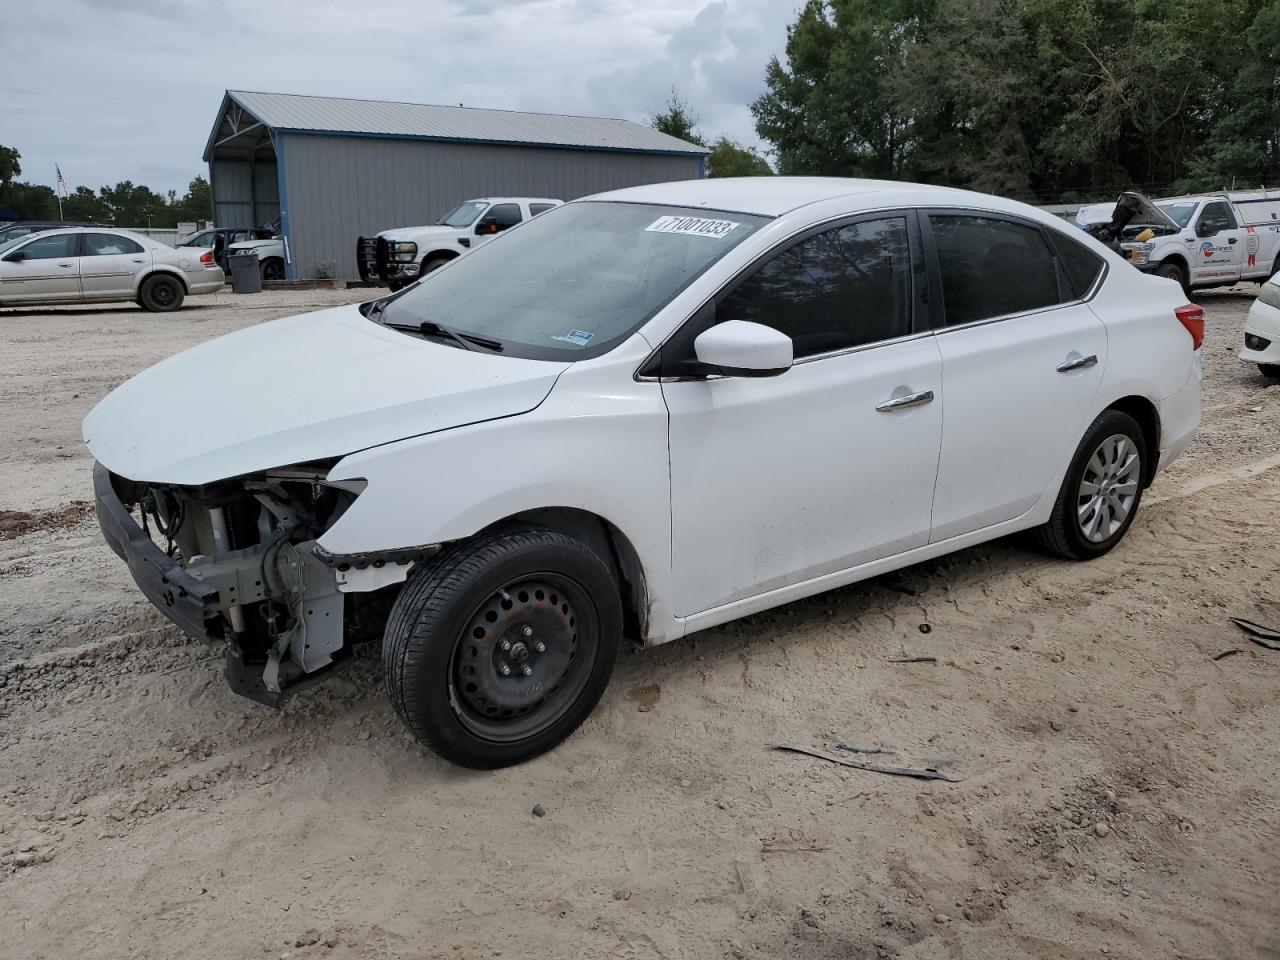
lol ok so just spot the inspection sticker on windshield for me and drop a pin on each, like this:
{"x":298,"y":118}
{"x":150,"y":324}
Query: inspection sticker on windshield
{"x":579,"y":338}
{"x":698,"y":226}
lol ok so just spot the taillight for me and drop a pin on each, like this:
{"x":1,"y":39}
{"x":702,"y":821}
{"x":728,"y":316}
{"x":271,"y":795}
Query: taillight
{"x":207,"y":258}
{"x":1192,"y":317}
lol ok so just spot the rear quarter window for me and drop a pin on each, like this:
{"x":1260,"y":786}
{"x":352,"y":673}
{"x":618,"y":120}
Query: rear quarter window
{"x":1081,"y":265}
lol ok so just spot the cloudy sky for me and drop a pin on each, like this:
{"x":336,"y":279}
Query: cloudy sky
{"x":128,"y":89}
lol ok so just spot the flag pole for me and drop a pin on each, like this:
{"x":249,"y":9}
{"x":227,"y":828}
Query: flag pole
{"x":57,"y":190}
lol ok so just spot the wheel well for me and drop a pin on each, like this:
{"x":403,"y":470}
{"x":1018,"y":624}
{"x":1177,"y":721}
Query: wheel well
{"x":1144,"y":411}
{"x":1178,"y":261}
{"x":611,"y":545}
{"x":167,"y":273}
{"x":440,"y":255}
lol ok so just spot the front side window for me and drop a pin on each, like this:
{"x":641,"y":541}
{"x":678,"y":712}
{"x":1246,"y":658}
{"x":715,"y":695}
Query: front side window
{"x":51,"y":247}
{"x":1216,"y":217}
{"x":838,"y":289}
{"x":992,"y":267}
{"x":107,"y":245}
{"x":462,"y":215}
{"x":504,"y":215}
{"x":575,"y":281}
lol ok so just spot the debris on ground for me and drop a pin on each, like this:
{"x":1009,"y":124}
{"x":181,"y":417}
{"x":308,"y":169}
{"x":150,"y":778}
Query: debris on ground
{"x":1262,"y":636}
{"x":913,"y":660}
{"x":926,"y":773}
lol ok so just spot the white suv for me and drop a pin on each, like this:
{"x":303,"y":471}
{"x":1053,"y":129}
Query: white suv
{"x":642,"y":414}
{"x":400,"y":256}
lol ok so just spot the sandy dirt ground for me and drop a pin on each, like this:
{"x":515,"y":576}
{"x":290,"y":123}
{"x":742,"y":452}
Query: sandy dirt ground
{"x":1117,"y":794}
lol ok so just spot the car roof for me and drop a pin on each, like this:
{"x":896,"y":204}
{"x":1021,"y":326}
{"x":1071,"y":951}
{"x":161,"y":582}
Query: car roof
{"x":515,"y":200}
{"x":92,"y":228}
{"x":775,"y":196}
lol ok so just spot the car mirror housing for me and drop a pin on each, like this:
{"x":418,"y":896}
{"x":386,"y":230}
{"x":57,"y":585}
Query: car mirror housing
{"x":487,"y":226}
{"x":739,"y":348}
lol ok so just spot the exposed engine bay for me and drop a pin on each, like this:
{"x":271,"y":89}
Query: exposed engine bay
{"x":238,"y":561}
{"x":1134,"y":218}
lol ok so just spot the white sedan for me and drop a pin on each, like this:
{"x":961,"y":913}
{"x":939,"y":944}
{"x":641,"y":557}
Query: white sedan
{"x":640,"y":415}
{"x":1262,"y":330}
{"x":101,"y":265}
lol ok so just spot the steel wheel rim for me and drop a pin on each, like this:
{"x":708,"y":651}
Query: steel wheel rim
{"x":538,"y":610}
{"x":163,"y":293}
{"x":1108,"y":488}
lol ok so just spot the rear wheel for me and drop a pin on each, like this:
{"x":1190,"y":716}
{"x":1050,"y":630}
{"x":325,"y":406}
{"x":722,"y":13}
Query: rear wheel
{"x":1271,"y":370}
{"x":1173,"y":271}
{"x":499,"y":649}
{"x":1101,"y":491}
{"x":161,"y":293}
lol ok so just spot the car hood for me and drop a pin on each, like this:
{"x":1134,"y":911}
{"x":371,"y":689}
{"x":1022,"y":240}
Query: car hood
{"x":418,"y":234}
{"x":1136,"y":209}
{"x":309,"y":387}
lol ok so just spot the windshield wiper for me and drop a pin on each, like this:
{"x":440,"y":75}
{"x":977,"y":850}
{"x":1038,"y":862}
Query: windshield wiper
{"x":429,"y":328}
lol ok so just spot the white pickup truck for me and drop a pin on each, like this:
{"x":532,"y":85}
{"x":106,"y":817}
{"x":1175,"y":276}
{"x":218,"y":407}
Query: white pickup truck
{"x":1214,"y":240}
{"x":399,"y":256}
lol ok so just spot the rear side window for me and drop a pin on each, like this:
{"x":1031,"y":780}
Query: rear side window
{"x":838,"y":289}
{"x":106,"y":245}
{"x":992,"y":267}
{"x":1081,"y":265}
{"x":537,"y":208}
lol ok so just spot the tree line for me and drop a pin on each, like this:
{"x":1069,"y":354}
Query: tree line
{"x":125,"y":205}
{"x":1044,"y":100}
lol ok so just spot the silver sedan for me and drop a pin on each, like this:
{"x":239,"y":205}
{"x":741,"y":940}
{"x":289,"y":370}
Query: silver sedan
{"x":101,"y":265}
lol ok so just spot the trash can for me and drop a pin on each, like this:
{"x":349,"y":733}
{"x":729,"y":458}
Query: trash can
{"x":246,"y":277}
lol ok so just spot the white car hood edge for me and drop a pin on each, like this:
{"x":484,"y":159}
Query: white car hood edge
{"x":303,"y":388}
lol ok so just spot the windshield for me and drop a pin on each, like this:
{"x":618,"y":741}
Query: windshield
{"x":464,"y":214}
{"x":197,"y":240}
{"x":576,"y":280}
{"x":1179,"y":213}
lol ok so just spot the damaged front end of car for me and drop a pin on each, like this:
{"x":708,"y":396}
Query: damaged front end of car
{"x":237,"y":561}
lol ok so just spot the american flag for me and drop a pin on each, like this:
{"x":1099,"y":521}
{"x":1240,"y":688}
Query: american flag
{"x":62,"y":184}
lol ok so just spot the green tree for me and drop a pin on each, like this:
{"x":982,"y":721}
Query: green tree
{"x":677,"y":120}
{"x":197,"y":204}
{"x":731,"y":159}
{"x":83,"y":204}
{"x":9,"y":165}
{"x":131,"y":205}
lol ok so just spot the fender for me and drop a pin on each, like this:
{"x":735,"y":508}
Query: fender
{"x":161,"y":268}
{"x":449,"y":485}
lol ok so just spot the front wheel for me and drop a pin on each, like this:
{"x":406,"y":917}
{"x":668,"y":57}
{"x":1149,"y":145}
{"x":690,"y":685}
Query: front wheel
{"x":1271,"y":370}
{"x":502,"y":646}
{"x":272,"y":269}
{"x":1101,"y":491}
{"x":1172,"y":271}
{"x":161,"y":293}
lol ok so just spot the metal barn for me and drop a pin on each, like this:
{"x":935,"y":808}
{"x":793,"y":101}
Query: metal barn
{"x":331,"y":170}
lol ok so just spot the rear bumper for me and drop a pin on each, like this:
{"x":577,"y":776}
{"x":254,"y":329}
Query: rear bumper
{"x":1179,"y":419}
{"x":186,"y":601}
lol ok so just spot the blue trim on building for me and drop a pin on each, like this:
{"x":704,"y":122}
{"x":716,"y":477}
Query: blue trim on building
{"x":278,"y":143}
{"x":493,"y":143}
{"x":702,"y":168}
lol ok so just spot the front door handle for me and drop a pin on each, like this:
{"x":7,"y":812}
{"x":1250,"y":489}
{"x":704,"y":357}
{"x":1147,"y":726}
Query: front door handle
{"x":1079,"y":363}
{"x":66,"y":264}
{"x":910,"y":400}
{"x":1232,"y":239}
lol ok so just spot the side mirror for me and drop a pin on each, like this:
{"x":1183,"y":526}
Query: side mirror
{"x":486,"y":226}
{"x":1205,"y":230}
{"x":743,"y":349}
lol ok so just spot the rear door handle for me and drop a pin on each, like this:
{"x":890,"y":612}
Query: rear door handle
{"x":1232,"y":239}
{"x":910,"y":400}
{"x":1079,"y":363}
{"x":66,"y":264}
{"x":139,"y":259}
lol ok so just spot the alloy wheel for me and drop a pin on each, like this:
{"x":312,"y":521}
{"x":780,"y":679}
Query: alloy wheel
{"x":1109,"y":488}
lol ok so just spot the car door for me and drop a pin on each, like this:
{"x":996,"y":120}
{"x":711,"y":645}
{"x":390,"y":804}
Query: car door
{"x":1220,"y":250}
{"x":1022,"y":360}
{"x":109,"y":262}
{"x":775,"y":481}
{"x":45,"y":268}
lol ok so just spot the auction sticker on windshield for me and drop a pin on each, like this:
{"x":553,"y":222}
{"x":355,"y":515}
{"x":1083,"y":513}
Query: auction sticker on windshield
{"x":698,"y":226}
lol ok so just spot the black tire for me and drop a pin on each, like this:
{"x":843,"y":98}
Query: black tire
{"x":272,"y":269}
{"x":431,"y":264}
{"x":161,"y":293}
{"x":1271,"y":370}
{"x":1172,"y":271}
{"x":1065,"y":533}
{"x":444,"y":645}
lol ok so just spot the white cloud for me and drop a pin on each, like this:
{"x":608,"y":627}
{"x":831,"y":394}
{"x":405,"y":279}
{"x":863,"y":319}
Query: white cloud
{"x":128,"y":89}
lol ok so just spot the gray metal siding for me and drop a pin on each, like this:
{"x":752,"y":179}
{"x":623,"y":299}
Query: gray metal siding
{"x":244,"y":193}
{"x":340,"y":188}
